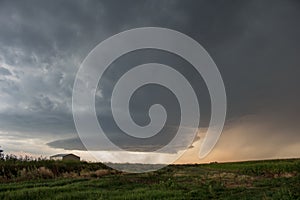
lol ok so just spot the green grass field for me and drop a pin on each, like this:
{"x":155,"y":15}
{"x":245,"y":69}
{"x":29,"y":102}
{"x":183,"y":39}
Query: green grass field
{"x":274,"y":179}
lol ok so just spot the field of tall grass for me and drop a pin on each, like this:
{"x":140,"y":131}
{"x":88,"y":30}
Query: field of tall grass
{"x":47,"y":179}
{"x":14,"y":168}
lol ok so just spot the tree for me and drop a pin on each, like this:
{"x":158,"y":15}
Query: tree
{"x":1,"y":154}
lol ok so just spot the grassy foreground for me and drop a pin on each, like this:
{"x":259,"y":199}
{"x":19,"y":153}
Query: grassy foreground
{"x":274,"y":179}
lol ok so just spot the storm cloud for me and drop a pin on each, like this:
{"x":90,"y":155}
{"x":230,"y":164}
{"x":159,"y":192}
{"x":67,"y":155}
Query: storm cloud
{"x":255,"y":45}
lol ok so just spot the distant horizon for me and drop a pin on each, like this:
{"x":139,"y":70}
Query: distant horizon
{"x":176,"y":163}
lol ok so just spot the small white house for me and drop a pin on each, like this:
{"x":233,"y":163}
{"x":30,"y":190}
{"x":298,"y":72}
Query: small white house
{"x":69,"y":156}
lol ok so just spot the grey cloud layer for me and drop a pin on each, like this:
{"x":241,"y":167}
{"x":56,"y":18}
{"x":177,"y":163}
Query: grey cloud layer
{"x":42,"y":43}
{"x":4,"y":72}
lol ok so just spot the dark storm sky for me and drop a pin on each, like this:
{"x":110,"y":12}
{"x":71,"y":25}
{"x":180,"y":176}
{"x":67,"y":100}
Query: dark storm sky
{"x":255,"y":45}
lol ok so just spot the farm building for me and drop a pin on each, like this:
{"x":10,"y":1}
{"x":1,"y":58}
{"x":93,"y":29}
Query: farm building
{"x":69,"y":156}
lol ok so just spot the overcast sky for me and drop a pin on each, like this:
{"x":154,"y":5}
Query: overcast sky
{"x":255,"y":45}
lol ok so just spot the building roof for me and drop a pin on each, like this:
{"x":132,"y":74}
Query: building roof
{"x":63,"y":155}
